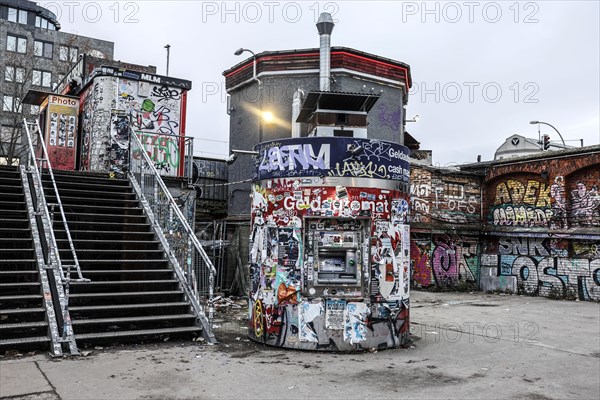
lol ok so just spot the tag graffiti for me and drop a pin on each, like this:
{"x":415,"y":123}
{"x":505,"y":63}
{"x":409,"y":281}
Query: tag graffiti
{"x":295,"y":157}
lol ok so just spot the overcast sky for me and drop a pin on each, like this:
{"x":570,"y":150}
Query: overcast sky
{"x":481,"y":70}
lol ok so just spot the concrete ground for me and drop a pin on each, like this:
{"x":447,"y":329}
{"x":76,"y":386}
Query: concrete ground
{"x":466,"y":346}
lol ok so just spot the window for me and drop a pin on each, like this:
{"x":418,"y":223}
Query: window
{"x":7,"y":103}
{"x":14,"y":74}
{"x":17,"y":44}
{"x":19,"y":16}
{"x":42,"y":49}
{"x":12,"y":14}
{"x":9,"y":73}
{"x":41,"y":78}
{"x":20,"y":75}
{"x":67,"y":53}
{"x":9,"y":134}
{"x":11,"y":104}
{"x":23,"y":17}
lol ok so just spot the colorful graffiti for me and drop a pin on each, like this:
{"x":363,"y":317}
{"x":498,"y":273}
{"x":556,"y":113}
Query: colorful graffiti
{"x":311,"y":264}
{"x":332,"y":156}
{"x":522,"y":204}
{"x":114,"y":106}
{"x":572,"y":201}
{"x":585,"y":205}
{"x":450,"y":260}
{"x":552,"y":267}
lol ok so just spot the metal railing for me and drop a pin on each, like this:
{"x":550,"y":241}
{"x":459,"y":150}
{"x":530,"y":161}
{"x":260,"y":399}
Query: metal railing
{"x":48,"y":209}
{"x":171,"y":155}
{"x":192,"y":265}
{"x":45,"y":214}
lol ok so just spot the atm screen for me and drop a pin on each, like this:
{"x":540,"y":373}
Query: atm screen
{"x":333,"y":264}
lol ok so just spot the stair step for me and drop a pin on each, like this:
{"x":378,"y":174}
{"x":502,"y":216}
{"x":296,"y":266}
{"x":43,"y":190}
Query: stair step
{"x":94,"y":216}
{"x":21,"y":297}
{"x":124,"y":294}
{"x":18,"y":285}
{"x":81,"y":253}
{"x":104,"y":195}
{"x":67,"y":200}
{"x":125,"y":271}
{"x":22,"y":341}
{"x":118,"y":210}
{"x":98,"y":321}
{"x":11,"y":205}
{"x":28,"y":272}
{"x":113,"y":262}
{"x":15,"y":232}
{"x":89,"y":186}
{"x":35,"y":324}
{"x":95,"y":223}
{"x":141,"y":332}
{"x":128,"y":306}
{"x":138,"y":282}
{"x":66,"y":176}
{"x":13,"y":311}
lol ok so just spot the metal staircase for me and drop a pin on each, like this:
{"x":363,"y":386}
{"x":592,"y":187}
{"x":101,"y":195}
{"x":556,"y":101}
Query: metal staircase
{"x":132,"y":292}
{"x":87,"y":258}
{"x":23,"y":322}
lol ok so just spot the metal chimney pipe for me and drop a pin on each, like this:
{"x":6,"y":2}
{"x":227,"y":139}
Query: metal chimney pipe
{"x":325,"y":27}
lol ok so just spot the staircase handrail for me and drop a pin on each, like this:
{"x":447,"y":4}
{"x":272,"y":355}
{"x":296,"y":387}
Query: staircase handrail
{"x":44,"y":204}
{"x":182,"y":220}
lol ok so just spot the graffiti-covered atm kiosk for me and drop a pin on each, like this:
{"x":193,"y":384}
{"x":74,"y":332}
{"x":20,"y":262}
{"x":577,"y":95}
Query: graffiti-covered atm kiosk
{"x":329,"y":257}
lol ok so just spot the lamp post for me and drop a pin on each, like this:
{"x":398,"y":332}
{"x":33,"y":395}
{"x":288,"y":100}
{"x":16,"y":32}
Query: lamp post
{"x":168,"y":47}
{"x":239,"y":52}
{"x":545,"y":123}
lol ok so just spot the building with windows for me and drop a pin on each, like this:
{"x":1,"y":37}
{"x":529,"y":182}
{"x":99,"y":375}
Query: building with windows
{"x":34,"y":54}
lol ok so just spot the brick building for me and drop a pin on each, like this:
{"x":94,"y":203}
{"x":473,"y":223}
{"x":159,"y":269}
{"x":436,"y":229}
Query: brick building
{"x":527,"y":224}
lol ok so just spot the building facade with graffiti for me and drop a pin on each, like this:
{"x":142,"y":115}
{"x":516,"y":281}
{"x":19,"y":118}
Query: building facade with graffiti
{"x":528,"y":225}
{"x":116,"y":102}
{"x":329,"y":251}
{"x":289,"y":75}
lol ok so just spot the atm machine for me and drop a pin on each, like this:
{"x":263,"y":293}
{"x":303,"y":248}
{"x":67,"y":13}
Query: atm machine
{"x":335,"y":257}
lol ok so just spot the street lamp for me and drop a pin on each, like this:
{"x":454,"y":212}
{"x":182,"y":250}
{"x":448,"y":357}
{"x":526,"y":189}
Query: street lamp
{"x":239,"y":52}
{"x":545,"y":123}
{"x":168,"y":47}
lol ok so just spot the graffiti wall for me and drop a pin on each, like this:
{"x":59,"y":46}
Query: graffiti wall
{"x":560,"y":203}
{"x":559,"y":268}
{"x":440,"y":196}
{"x":98,"y":100}
{"x":306,"y":293}
{"x":115,"y":106}
{"x":444,"y":260}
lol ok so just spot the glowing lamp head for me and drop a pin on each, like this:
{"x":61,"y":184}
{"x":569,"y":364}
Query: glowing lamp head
{"x":267,"y":116}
